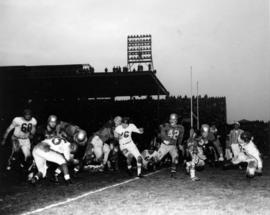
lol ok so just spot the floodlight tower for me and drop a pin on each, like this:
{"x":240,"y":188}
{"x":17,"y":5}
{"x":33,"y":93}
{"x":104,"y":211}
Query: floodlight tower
{"x":139,"y":53}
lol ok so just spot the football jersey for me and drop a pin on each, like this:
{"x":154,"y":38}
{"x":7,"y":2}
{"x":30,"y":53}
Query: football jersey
{"x":234,"y":135}
{"x":251,"y":149}
{"x":171,"y":135}
{"x":125,"y":133}
{"x":22,"y":127}
{"x":59,"y":145}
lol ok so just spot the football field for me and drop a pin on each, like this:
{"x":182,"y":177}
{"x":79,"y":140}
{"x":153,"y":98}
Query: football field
{"x":218,"y":192}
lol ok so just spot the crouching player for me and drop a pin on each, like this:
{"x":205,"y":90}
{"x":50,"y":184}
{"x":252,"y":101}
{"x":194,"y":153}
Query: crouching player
{"x":250,"y":154}
{"x":150,"y":159}
{"x":195,"y":153}
{"x":99,"y":149}
{"x":127,"y":146}
{"x":56,"y":150}
{"x":76,"y":136}
{"x":171,"y":134}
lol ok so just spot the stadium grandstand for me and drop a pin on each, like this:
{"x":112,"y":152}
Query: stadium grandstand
{"x":78,"y":94}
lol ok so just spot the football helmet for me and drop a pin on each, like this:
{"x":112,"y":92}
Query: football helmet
{"x":205,"y":130}
{"x":126,"y":120}
{"x":173,"y":119}
{"x":52,"y":121}
{"x":117,"y":120}
{"x":27,"y":114}
{"x":246,"y":136}
{"x":236,"y":125}
{"x":81,"y":137}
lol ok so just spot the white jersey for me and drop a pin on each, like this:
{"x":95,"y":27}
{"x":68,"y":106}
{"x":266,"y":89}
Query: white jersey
{"x":125,"y":133}
{"x":251,"y":150}
{"x":59,"y":145}
{"x":22,"y":127}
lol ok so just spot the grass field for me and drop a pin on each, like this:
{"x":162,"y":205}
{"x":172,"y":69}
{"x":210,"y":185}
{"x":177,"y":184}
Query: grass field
{"x":218,"y":192}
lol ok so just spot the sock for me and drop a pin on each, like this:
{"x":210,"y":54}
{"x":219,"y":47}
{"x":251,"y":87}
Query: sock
{"x":139,"y":168}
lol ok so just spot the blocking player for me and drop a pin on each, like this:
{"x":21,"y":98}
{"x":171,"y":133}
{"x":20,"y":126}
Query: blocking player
{"x":47,"y":131}
{"x":72,"y":133}
{"x":195,"y":152}
{"x":98,"y":146}
{"x":24,"y":130}
{"x":206,"y":141}
{"x":150,"y":159}
{"x":56,"y":150}
{"x":172,"y":135}
{"x":234,"y":139}
{"x":76,"y":136}
{"x":250,"y":154}
{"x":123,"y":132}
{"x":214,"y":137}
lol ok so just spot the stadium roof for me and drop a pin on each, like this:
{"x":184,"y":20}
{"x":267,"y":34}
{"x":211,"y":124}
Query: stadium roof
{"x":69,"y":81}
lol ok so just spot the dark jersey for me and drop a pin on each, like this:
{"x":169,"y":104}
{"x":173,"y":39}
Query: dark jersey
{"x":45,"y":132}
{"x":67,"y":130}
{"x":171,"y":135}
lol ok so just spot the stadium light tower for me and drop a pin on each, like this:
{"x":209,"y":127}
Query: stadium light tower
{"x":139,"y":53}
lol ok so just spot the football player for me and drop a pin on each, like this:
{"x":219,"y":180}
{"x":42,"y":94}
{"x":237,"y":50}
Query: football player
{"x":214,"y":137}
{"x":171,"y":135}
{"x":47,"y":131}
{"x":250,"y":154}
{"x":78,"y":137}
{"x":56,"y":150}
{"x":72,"y":133}
{"x":150,"y":159}
{"x":234,"y":139}
{"x":195,"y":152}
{"x":206,"y":142}
{"x":123,"y":132}
{"x":99,"y":149}
{"x":24,"y":130}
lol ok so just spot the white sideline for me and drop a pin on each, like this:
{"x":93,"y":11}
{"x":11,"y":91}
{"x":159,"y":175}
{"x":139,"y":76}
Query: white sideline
{"x":86,"y":194}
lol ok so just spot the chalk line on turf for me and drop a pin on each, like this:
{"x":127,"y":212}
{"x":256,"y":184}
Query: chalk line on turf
{"x":87,"y":194}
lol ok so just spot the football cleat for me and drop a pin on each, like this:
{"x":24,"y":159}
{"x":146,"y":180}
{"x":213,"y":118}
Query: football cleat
{"x":55,"y":179}
{"x":34,"y":181}
{"x":140,"y":176}
{"x":68,"y":182}
{"x":173,"y":174}
{"x":195,"y":178}
{"x":221,"y":158}
{"x":8,"y":168}
{"x":259,"y":173}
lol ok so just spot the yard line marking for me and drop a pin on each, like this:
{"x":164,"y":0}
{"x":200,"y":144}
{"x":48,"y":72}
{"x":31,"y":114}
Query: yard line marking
{"x":87,"y":194}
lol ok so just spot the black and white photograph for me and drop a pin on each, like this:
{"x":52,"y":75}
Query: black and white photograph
{"x":134,"y":107}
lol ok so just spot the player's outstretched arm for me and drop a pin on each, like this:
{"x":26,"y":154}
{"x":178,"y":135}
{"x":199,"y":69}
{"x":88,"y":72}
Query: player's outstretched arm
{"x":141,"y":130}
